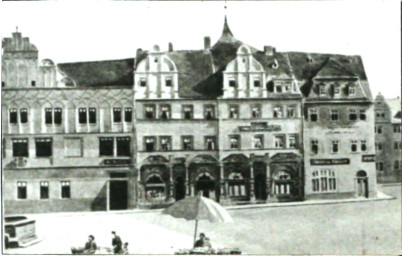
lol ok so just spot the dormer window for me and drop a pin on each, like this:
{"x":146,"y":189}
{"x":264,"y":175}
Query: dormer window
{"x":336,"y":90}
{"x":143,"y":82}
{"x":256,"y":82}
{"x":287,"y":88}
{"x":232,"y":82}
{"x":156,"y":60}
{"x":322,"y":90}
{"x":278,"y":88}
{"x":352,"y":90}
{"x":168,"y":82}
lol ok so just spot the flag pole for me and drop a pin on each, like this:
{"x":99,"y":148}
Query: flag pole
{"x":195,"y":232}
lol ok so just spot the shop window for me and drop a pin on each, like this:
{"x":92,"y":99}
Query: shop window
{"x":282,"y":183}
{"x":24,"y":115}
{"x":155,"y":188}
{"x":237,"y":185}
{"x":256,"y":112}
{"x":292,"y":141}
{"x":92,"y":115}
{"x":150,"y":144}
{"x":353,"y":146}
{"x":234,"y":112}
{"x":234,"y":141}
{"x":379,"y":166}
{"x":335,"y":146}
{"x":187,"y":112}
{"x":20,"y":147}
{"x":128,"y":116}
{"x":209,"y":112}
{"x":165,"y":112}
{"x":82,"y":115}
{"x":313,"y":113}
{"x":168,"y":82}
{"x":44,"y":190}
{"x":123,"y":146}
{"x":117,"y":115}
{"x":143,"y":82}
{"x":187,"y":142}
{"x":323,"y":181}
{"x":210,"y":143}
{"x":363,"y":114}
{"x":258,"y":141}
{"x":279,"y":141}
{"x":43,"y":147}
{"x":65,"y":189}
{"x":363,"y":145}
{"x":352,"y":115}
{"x":73,"y":147}
{"x":278,"y":112}
{"x":150,"y":112}
{"x":165,"y":143}
{"x":22,"y":190}
{"x":57,"y":116}
{"x":13,"y":116}
{"x":314,"y":146}
{"x":48,"y":116}
{"x":291,"y":112}
{"x":106,"y":145}
{"x":232,"y":82}
{"x":334,"y":115}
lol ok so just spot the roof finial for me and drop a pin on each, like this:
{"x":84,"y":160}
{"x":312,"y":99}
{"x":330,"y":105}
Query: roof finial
{"x":226,"y":29}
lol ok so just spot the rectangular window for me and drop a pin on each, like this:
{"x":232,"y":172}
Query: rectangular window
{"x":82,"y":115}
{"x":13,"y":116}
{"x":396,"y":165}
{"x":210,"y":143}
{"x":65,"y":189}
{"x":336,"y":90}
{"x":165,"y":112}
{"x":397,"y":145}
{"x":334,"y":115}
{"x":232,"y":82}
{"x":187,"y":142}
{"x":234,"y":112}
{"x":278,"y":88}
{"x":123,"y":146}
{"x":128,"y":116}
{"x":106,"y":145}
{"x":313,"y":113}
{"x":24,"y":115}
{"x":234,"y":141}
{"x":43,"y":147}
{"x":278,"y":112}
{"x":57,"y":116}
{"x":352,"y":90}
{"x":291,"y":112}
{"x":335,"y":146}
{"x":149,"y":144}
{"x":165,"y":143}
{"x":48,"y":116}
{"x":323,"y":90}
{"x":73,"y":147}
{"x":258,"y":141}
{"x":256,"y":111}
{"x":20,"y":147}
{"x":378,"y":129}
{"x":168,"y":82}
{"x":397,"y":128}
{"x":279,"y":141}
{"x":292,"y":141}
{"x":352,"y":115}
{"x":92,"y":115}
{"x":379,"y":166}
{"x":187,"y":111}
{"x":363,"y":114}
{"x":150,"y":111}
{"x":22,"y":190}
{"x":143,"y":82}
{"x":353,"y":146}
{"x":324,"y":180}
{"x":117,"y":115}
{"x":209,"y":112}
{"x":257,"y":82}
{"x":378,"y":146}
{"x":44,"y":190}
{"x":363,"y":145}
{"x":314,"y":146}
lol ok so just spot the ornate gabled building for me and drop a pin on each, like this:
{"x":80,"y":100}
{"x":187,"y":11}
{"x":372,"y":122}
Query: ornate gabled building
{"x":232,"y":122}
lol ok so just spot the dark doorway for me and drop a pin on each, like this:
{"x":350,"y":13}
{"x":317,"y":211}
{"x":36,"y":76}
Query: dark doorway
{"x":260,"y":187}
{"x":207,"y":186}
{"x":180,"y":189}
{"x":118,"y":194}
{"x":362,"y":184}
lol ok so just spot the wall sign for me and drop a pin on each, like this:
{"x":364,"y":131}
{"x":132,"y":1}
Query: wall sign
{"x":116,"y":161}
{"x":330,"y":161}
{"x":368,"y":158}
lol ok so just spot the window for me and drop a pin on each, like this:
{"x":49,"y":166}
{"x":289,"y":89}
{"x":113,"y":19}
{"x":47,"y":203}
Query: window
{"x":117,"y":115}
{"x":149,"y":144}
{"x":323,"y":181}
{"x":187,"y":111}
{"x":314,"y":146}
{"x":106,"y":145}
{"x":292,"y":141}
{"x":13,"y":116}
{"x":24,"y":115}
{"x":232,"y":82}
{"x":209,"y":112}
{"x":33,"y":83}
{"x":257,"y":82}
{"x":378,"y":129}
{"x":352,"y":90}
{"x":48,"y":116}
{"x":165,"y":112}
{"x":336,"y":90}
{"x":379,"y":166}
{"x":168,"y":82}
{"x":73,"y":147}
{"x":335,"y":146}
{"x":3,"y":84}
{"x":150,"y":112}
{"x":352,"y":115}
{"x":363,"y":114}
{"x":44,"y":190}
{"x":210,"y":143}
{"x":363,"y":145}
{"x":277,"y":112}
{"x":123,"y":146}
{"x":165,"y":143}
{"x":43,"y":147}
{"x":279,"y":141}
{"x":187,"y":142}
{"x":396,"y":165}
{"x":143,"y":82}
{"x":353,"y":146}
{"x":397,"y":145}
{"x":313,"y":113}
{"x":256,"y":111}
{"x":128,"y":117}
{"x":82,"y":115}
{"x":57,"y":116}
{"x":236,"y":185}
{"x":22,"y":190}
{"x":291,"y":112}
{"x":378,"y":146}
{"x":234,"y":112}
{"x":278,"y":88}
{"x":258,"y":141}
{"x":334,"y":115}
{"x":397,"y":128}
{"x":234,"y":141}
{"x":287,"y":88}
{"x":65,"y":189}
{"x":323,"y":90}
{"x":92,"y":115}
{"x":20,"y":147}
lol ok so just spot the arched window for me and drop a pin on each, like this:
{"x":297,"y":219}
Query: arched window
{"x":282,"y":183}
{"x":237,"y":185}
{"x":155,"y":187}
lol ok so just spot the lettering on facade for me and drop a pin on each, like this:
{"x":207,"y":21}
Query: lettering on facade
{"x":259,"y":126}
{"x":329,"y":161}
{"x":368,"y":158}
{"x":116,"y":161}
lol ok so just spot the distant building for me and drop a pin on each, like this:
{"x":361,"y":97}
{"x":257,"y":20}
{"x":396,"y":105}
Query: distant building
{"x":229,"y":121}
{"x":388,"y":139}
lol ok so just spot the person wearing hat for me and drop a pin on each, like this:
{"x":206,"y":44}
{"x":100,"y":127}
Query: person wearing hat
{"x":200,"y":242}
{"x":116,"y":243}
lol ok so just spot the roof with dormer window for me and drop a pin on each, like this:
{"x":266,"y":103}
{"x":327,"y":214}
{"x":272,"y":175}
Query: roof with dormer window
{"x":334,"y":69}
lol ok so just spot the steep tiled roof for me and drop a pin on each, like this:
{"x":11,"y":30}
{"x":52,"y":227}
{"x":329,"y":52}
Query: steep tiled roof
{"x":269,"y":62}
{"x":100,"y":73}
{"x":333,"y":69}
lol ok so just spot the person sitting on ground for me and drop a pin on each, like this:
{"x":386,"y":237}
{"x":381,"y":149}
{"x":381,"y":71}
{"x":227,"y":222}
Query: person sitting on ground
{"x":200,"y":242}
{"x":125,"y":249}
{"x":90,"y":247}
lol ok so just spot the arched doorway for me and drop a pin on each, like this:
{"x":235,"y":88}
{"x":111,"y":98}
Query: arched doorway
{"x":362,"y":184}
{"x":155,"y":188}
{"x":179,"y":188}
{"x":283,"y":185}
{"x":237,"y":186}
{"x":260,"y":187}
{"x":206,"y":185}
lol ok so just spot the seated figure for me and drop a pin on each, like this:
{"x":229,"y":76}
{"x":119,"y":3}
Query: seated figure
{"x":90,"y":247}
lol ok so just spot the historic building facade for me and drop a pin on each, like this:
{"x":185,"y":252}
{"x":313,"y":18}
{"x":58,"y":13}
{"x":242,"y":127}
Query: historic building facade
{"x":388,"y":139}
{"x":229,"y":121}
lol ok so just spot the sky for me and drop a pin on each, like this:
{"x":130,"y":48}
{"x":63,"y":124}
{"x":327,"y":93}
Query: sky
{"x":73,"y":31}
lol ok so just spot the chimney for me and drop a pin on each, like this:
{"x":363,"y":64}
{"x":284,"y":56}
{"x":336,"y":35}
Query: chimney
{"x":139,"y":51}
{"x":269,"y":50}
{"x":207,"y":43}
{"x":170,"y":47}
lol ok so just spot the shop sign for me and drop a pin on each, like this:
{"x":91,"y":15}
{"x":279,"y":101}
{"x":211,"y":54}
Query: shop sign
{"x":329,"y":161}
{"x":368,"y":158}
